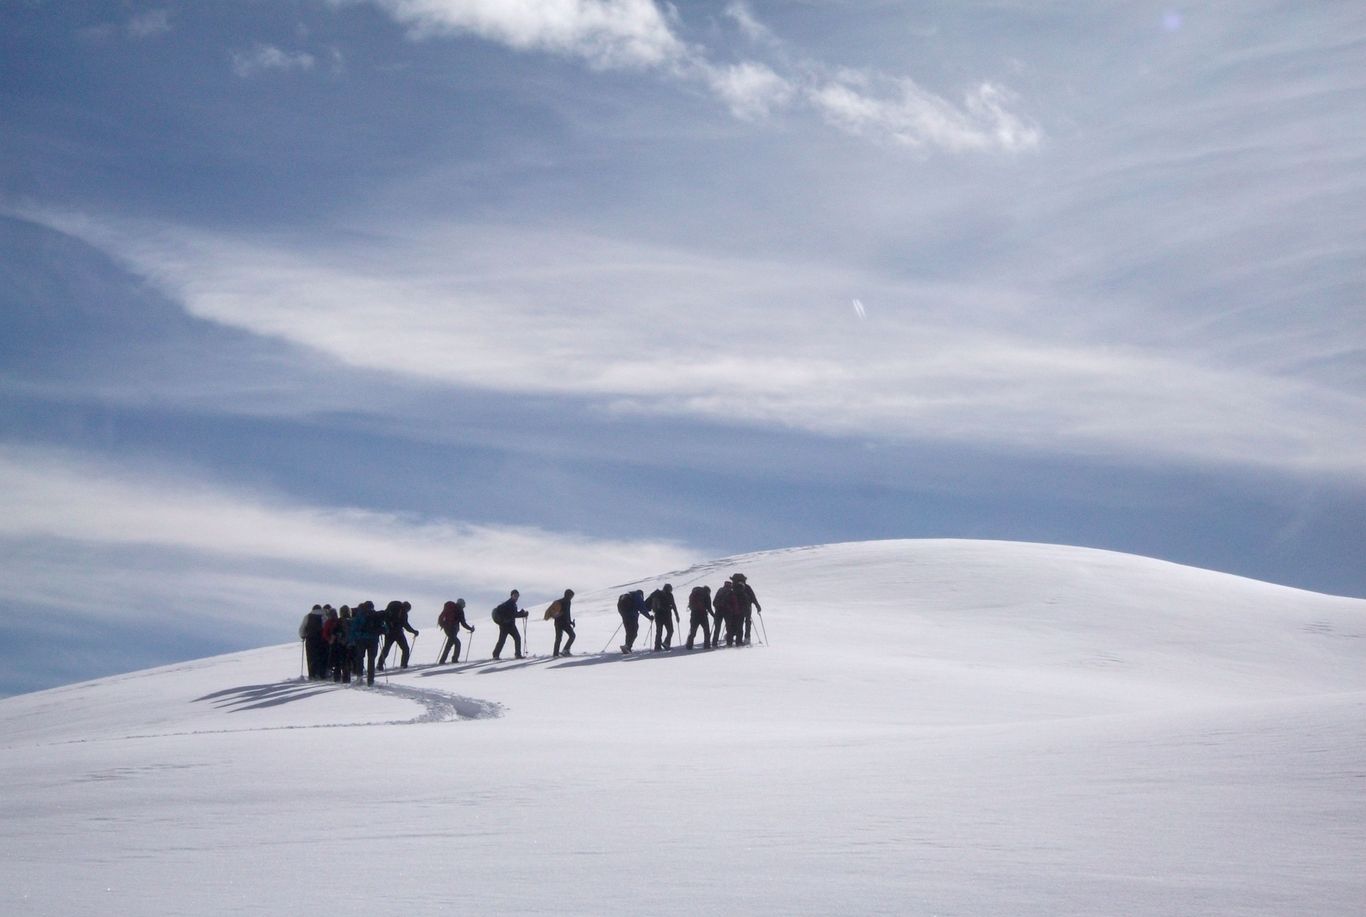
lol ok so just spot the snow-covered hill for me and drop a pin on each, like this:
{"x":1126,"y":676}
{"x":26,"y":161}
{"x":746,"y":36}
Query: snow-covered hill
{"x":936,"y":727}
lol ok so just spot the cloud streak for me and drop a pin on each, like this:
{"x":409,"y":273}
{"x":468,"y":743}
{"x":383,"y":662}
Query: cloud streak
{"x":766,"y":343}
{"x":86,"y":536}
{"x":638,"y":34}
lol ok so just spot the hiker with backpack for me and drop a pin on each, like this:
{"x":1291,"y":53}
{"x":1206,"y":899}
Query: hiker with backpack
{"x":505,"y":616}
{"x":699,"y":611}
{"x":726,"y":612}
{"x":396,"y":622}
{"x":450,"y":621}
{"x":315,"y":649}
{"x":631,"y":605}
{"x":564,"y":623}
{"x":746,"y":603}
{"x":367,"y":626}
{"x":665,"y":610}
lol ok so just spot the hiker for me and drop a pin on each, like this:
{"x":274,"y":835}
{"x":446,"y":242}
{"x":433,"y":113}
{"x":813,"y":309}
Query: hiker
{"x":726,"y":612}
{"x":343,"y":650}
{"x":666,"y":612}
{"x":699,"y":611}
{"x":505,"y":616}
{"x":315,"y":650}
{"x":564,"y":623}
{"x":631,"y":605}
{"x":452,"y":618}
{"x":745,"y":603}
{"x":395,"y":623}
{"x":367,"y":625}
{"x":330,"y":624}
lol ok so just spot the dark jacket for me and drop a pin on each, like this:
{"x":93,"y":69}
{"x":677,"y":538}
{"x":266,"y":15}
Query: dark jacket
{"x":631,"y":604}
{"x":507,"y":612}
{"x":396,"y":619}
{"x":699,"y":601}
{"x":744,"y":598}
{"x":662,"y":603}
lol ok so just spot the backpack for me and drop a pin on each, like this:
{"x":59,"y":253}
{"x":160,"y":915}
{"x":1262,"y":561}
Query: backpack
{"x":313,"y":625}
{"x":446,"y":619}
{"x":625,"y":603}
{"x":724,"y":598}
{"x":555,"y":609}
{"x":699,"y":598}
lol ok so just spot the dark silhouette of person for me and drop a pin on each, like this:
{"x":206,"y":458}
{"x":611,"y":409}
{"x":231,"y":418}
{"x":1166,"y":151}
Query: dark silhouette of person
{"x":699,"y":613}
{"x":666,"y":613}
{"x":559,"y":612}
{"x":367,"y":626}
{"x":726,"y":611}
{"x":452,"y":618}
{"x":631,"y":605}
{"x":505,"y":616}
{"x":745,"y":604}
{"x":396,"y":622}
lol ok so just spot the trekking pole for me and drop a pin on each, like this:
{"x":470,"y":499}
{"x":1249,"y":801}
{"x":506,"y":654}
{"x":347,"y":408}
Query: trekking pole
{"x":469,"y":645}
{"x":526,"y":636}
{"x":611,"y":638}
{"x":763,"y":627}
{"x":414,"y":650}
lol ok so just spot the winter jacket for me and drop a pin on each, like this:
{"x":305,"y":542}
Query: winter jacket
{"x":699,"y":601}
{"x":662,"y":603}
{"x":507,"y":612}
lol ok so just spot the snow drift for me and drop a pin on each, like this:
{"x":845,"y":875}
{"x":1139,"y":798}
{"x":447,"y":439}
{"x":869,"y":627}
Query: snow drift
{"x":936,"y":727}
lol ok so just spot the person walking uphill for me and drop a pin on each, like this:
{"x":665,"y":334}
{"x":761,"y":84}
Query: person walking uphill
{"x":505,"y":616}
{"x":699,"y":613}
{"x":452,"y":618}
{"x":666,"y":613}
{"x":631,"y":605}
{"x":564,"y":623}
{"x":745,"y":603}
{"x":367,"y":625}
{"x":315,"y":648}
{"x":726,"y":612}
{"x":396,"y":622}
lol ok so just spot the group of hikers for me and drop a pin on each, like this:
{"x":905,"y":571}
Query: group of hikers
{"x":341,"y":643}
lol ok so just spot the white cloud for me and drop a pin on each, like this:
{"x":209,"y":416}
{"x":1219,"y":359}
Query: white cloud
{"x":606,"y":33}
{"x":637,"y":33}
{"x":149,"y":23}
{"x":263,"y":58}
{"x":79,"y":522}
{"x":669,"y":332}
{"x":751,"y":90}
{"x":910,"y":116}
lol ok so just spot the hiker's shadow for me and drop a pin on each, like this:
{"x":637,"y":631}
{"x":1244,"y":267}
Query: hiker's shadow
{"x":259,"y":697}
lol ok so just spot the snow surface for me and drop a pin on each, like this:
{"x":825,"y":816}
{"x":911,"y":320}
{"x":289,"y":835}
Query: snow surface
{"x":938,"y":727}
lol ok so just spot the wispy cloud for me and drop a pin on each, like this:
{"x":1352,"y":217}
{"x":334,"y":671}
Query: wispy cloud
{"x":764,"y":343}
{"x":907,"y":115}
{"x":149,"y":23}
{"x":81,"y":521}
{"x":264,"y":58}
{"x":606,"y":33}
{"x":639,"y":34}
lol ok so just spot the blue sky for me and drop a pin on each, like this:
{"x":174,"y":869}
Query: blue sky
{"x":345,"y":299}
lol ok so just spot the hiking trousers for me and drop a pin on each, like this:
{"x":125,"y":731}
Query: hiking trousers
{"x":505,"y":631}
{"x":452,"y":640}
{"x":563,"y":627}
{"x":699,"y":620}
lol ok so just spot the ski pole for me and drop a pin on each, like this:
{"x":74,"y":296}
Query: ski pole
{"x":762,"y":625}
{"x":611,"y":638}
{"x":301,"y":660}
{"x":414,"y":652}
{"x":469,"y":645}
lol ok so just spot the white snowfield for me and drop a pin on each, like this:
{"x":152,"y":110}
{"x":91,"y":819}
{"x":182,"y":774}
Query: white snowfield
{"x":936,"y":728}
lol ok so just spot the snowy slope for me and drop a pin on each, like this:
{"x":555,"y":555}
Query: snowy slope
{"x":937,"y":727}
